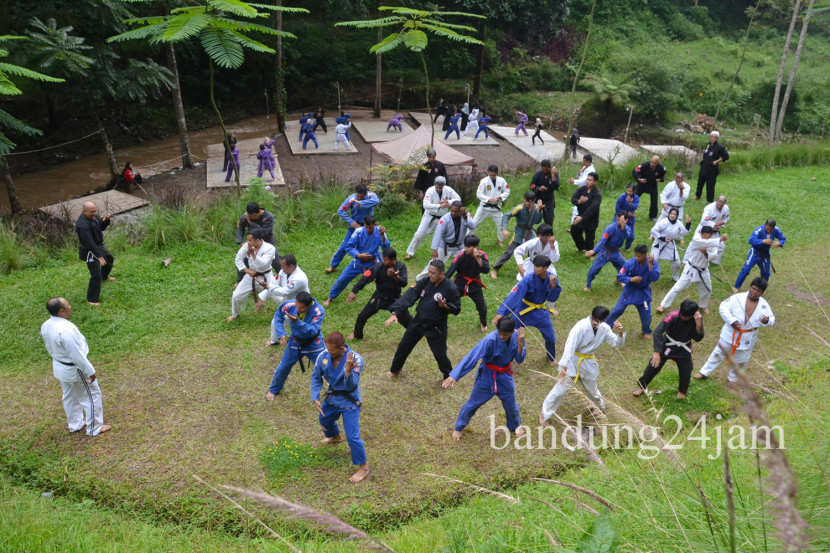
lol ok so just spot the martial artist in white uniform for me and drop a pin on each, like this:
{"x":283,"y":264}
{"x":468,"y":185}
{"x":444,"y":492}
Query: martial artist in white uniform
{"x":578,"y":363}
{"x":446,"y":242}
{"x":79,"y":382}
{"x":587,"y":169}
{"x":437,"y":201}
{"x":526,"y":252}
{"x":715,"y":215}
{"x":491,"y":192}
{"x":696,"y":269}
{"x":260,"y":254}
{"x":341,"y":133}
{"x":290,"y":281}
{"x":472,"y":123}
{"x":666,"y":232}
{"x":675,"y":195}
{"x":739,"y":333}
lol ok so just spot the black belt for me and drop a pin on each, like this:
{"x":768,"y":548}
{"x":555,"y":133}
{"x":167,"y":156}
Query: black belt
{"x":490,"y":206}
{"x":300,"y":351}
{"x":700,"y":274}
{"x":65,"y":363}
{"x":341,"y":393}
{"x":663,"y":247}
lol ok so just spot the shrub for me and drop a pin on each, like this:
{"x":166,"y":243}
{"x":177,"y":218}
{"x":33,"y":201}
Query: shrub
{"x":12,"y":250}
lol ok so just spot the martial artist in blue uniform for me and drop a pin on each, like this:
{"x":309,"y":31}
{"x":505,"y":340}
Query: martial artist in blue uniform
{"x":761,"y":240}
{"x":304,"y":118}
{"x":365,"y":246}
{"x":497,"y":351}
{"x":482,"y":126}
{"x":526,"y":302}
{"x":353,"y":210}
{"x":305,"y":317}
{"x":309,"y":133}
{"x":637,"y":275}
{"x":453,"y":127}
{"x":613,"y":238}
{"x":628,"y":202}
{"x":340,"y":367}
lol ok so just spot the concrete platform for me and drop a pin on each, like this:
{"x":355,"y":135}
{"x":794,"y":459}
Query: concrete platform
{"x":423,"y":119}
{"x":374,"y":130}
{"x":111,"y":201}
{"x":612,"y":151}
{"x":248,"y":164}
{"x":325,"y":140}
{"x":676,"y":151}
{"x":552,"y":149}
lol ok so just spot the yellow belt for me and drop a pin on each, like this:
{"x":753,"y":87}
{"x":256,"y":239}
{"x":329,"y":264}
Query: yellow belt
{"x":532,"y":306}
{"x":582,"y":357}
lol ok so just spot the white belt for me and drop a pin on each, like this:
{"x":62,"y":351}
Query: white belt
{"x":671,"y":342}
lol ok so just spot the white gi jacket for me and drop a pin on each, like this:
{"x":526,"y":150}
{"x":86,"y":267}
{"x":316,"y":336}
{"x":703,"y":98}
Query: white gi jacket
{"x":672,"y":197}
{"x":665,"y":229}
{"x":733,"y":309}
{"x":583,"y":340}
{"x":711,"y":215}
{"x":68,"y":349}
{"x":444,"y":236}
{"x":287,"y":286}
{"x":582,"y":176}
{"x":261,"y":263}
{"x":487,"y":189}
{"x":526,"y":251}
{"x":695,"y":259}
{"x":432,"y":203}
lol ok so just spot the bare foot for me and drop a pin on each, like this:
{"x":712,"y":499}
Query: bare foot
{"x":112,"y":279}
{"x":231,"y":318}
{"x":587,"y":289}
{"x":259,"y":305}
{"x":552,"y":362}
{"x":520,"y":431}
{"x":336,"y":440}
{"x":705,"y":310}
{"x":329,"y":269}
{"x":638,"y":392}
{"x":94,"y":303}
{"x":542,"y":422}
{"x":494,"y":274}
{"x":361,"y":473}
{"x":105,"y":428}
{"x":456,"y":435}
{"x":269,"y":343}
{"x":351,"y":336}
{"x":646,"y":336}
{"x":731,"y":384}
{"x":327,"y":302}
{"x":484,"y":328}
{"x":660,"y":309}
{"x":699,"y":376}
{"x":391,"y":376}
{"x":270,"y":397}
{"x":407,"y":257}
{"x":681,"y":395}
{"x":735,"y":290}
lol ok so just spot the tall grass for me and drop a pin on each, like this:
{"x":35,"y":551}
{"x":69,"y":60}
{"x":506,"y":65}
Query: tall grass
{"x":12,"y":250}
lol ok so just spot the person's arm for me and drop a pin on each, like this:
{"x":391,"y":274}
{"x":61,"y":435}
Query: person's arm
{"x":352,"y":380}
{"x":371,"y":200}
{"x":240,"y":229}
{"x":615,"y":340}
{"x":468,"y":219}
{"x":514,"y":299}
{"x":309,"y":327}
{"x":602,"y":240}
{"x":725,"y":311}
{"x":657,"y":230}
{"x":266,"y":223}
{"x":537,"y":181}
{"x":317,"y":378}
{"x":575,"y":197}
{"x":354,"y":242}
{"x":635,"y":202}
{"x":429,"y":204}
{"x":659,"y":338}
{"x":520,"y":252}
{"x":262,"y":262}
{"x":757,"y":237}
{"x":485,"y":263}
{"x":403,"y":275}
{"x":344,"y":212}
{"x":73,"y":344}
{"x":636,"y":173}
{"x":453,"y":299}
{"x":442,"y":170}
{"x":279,"y":323}
{"x":420,"y":180}
{"x":367,"y":277}
{"x":438,"y":235}
{"x":553,"y":291}
{"x":555,"y":182}
{"x":506,"y":192}
{"x":654,"y":273}
{"x":409,"y":297}
{"x":85,"y":238}
{"x":623,"y":275}
{"x":593,"y":206}
{"x":724,"y":155}
{"x":778,"y":235}
{"x":505,"y":218}
{"x":568,"y":352}
{"x":697,"y":335}
{"x":453,"y":266}
{"x":240,"y":257}
{"x":452,"y":195}
{"x":471,"y":360}
{"x":665,"y":194}
{"x":521,"y":347}
{"x":771,"y":320}
{"x":480,"y":191}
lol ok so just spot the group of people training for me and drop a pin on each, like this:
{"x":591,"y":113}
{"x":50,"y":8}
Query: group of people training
{"x":310,"y":121}
{"x":266,"y":157}
{"x":472,"y":122}
{"x":454,"y":271}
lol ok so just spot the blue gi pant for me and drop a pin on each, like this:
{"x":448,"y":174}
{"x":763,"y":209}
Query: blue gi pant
{"x":302,"y":131}
{"x":643,"y":309}
{"x":349,"y":273}
{"x":628,"y":241}
{"x":605,"y":256}
{"x":752,"y":259}
{"x":351,"y":424}
{"x":310,"y":136}
{"x":289,"y":359}
{"x":486,"y":132}
{"x":488,"y":384}
{"x":341,"y":251}
{"x":453,"y":129}
{"x":540,"y":319}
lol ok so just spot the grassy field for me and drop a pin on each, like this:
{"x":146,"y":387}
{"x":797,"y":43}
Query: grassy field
{"x":185,"y":393}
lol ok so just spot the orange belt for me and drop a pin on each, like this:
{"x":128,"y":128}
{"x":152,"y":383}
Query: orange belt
{"x":470,"y":280}
{"x":500,"y":370}
{"x":736,"y":338}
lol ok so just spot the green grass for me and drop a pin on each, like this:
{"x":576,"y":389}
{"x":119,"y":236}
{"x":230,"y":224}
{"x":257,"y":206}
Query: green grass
{"x":185,"y":391}
{"x":287,"y":459}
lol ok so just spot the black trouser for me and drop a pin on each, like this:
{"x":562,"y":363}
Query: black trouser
{"x":536,"y":135}
{"x":573,"y":150}
{"x":481,"y":306}
{"x":505,"y":257}
{"x":651,"y":190}
{"x":377,"y":303}
{"x":710,"y":181}
{"x":436,"y":338}
{"x":547,"y":211}
{"x":97,"y":274}
{"x":226,"y":161}
{"x":464,"y":119}
{"x":584,"y":234}
{"x":684,"y":369}
{"x":321,"y":123}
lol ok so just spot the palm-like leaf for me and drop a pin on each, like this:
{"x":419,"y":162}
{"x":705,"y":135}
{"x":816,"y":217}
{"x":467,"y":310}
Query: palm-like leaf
{"x":185,"y":25}
{"x":372,"y":23}
{"x":222,"y":47}
{"x":415,"y":40}
{"x":284,"y":9}
{"x":236,"y":7}
{"x":390,"y":42}
{"x":18,"y":71}
{"x":450,"y":34}
{"x":404,"y":11}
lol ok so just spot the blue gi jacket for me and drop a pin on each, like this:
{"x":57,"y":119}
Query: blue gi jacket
{"x":454,"y":119}
{"x":336,"y":377}
{"x":351,"y":213}
{"x":308,"y":127}
{"x":484,"y":120}
{"x":305,"y":328}
{"x":343,"y":119}
{"x":613,"y":238}
{"x":363,"y":242}
{"x":531,"y":288}
{"x":491,"y":349}
{"x":640,"y":292}
{"x":622,"y":205}
{"x":759,"y":235}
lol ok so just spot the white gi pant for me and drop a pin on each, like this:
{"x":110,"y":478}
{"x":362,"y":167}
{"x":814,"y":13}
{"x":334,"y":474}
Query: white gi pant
{"x":557,"y":393}
{"x":341,"y":138}
{"x":428,"y":224}
{"x":472,"y":127}
{"x":704,"y":288}
{"x":83,"y":397}
{"x":245,"y":288}
{"x":720,"y":354}
{"x":493,"y":213}
{"x":443,"y":255}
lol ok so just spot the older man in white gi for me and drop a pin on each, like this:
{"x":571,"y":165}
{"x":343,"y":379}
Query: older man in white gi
{"x":674,"y":195}
{"x":259,"y":255}
{"x":437,"y":201}
{"x":715,"y":215}
{"x":491,"y":192}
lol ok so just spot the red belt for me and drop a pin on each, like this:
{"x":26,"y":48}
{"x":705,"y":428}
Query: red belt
{"x":500,"y":370}
{"x":470,"y":280}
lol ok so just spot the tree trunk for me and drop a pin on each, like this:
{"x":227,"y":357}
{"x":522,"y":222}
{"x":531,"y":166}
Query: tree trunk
{"x":740,"y":65}
{"x":576,"y":76}
{"x":774,"y":115}
{"x":482,"y":29}
{"x":113,"y":163}
{"x":279,"y":96}
{"x":184,"y":139}
{"x":378,"y":70}
{"x":14,"y":201}
{"x":779,"y":124}
{"x":224,"y":131}
{"x":429,"y":109}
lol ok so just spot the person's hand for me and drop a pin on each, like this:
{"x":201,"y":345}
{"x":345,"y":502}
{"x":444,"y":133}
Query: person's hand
{"x":92,"y":377}
{"x":554,"y":170}
{"x":764,"y":320}
{"x":563,"y":372}
{"x":724,"y":237}
{"x":350,"y":363}
{"x":493,"y":201}
{"x":650,"y":261}
{"x":570,"y":181}
{"x":582,"y":200}
{"x":434,"y":254}
{"x":542,"y":188}
{"x":666,"y":209}
{"x":355,"y":225}
{"x":444,"y":204}
{"x":776,"y":244}
{"x":477,"y":255}
{"x":642,"y":181}
{"x":630,"y":200}
{"x":283,"y":341}
{"x":464,"y":212}
{"x":577,"y":220}
{"x":520,"y":334}
{"x":382,"y":229}
{"x":539,"y":206}
{"x":108,"y":217}
{"x":689,"y":220}
{"x":522,"y":270}
{"x":505,"y":234}
{"x":496,"y":319}
{"x":718,"y":225}
{"x":716,"y":162}
{"x":589,"y":253}
{"x":364,"y":256}
{"x":293,"y":318}
{"x":319,"y":407}
{"x":391,"y":319}
{"x":630,"y":214}
{"x":442,"y":303}
{"x":635,"y":280}
{"x":667,"y":239}
{"x":736,"y":325}
{"x":698,"y":320}
{"x":766,"y":241}
{"x":449,"y":382}
{"x":655,"y":360}
{"x":102,"y":261}
{"x":618,"y":327}
{"x":351,"y":297}
{"x":250,"y":272}
{"x":552,"y":279}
